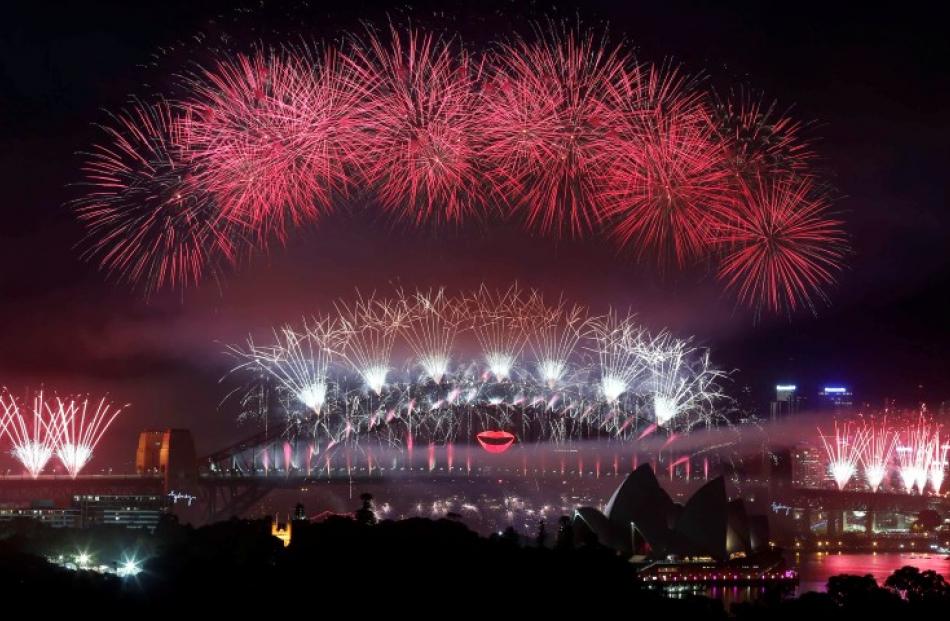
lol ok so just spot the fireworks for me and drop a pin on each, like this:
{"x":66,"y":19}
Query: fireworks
{"x":563,"y":395}
{"x":781,"y":247}
{"x":370,"y":328}
{"x":844,"y":452}
{"x":554,"y":334}
{"x":548,"y":123}
{"x":149,"y":220}
{"x":299,"y":361}
{"x":878,"y":453}
{"x":431,"y":323}
{"x":420,"y":125}
{"x":680,"y":379}
{"x":666,"y":184}
{"x":499,"y":327}
{"x":67,"y":428}
{"x":915,"y":446}
{"x":617,"y":342}
{"x":270,"y":136}
{"x":81,"y":427}
{"x":562,"y":128}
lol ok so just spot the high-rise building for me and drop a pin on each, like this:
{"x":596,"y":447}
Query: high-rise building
{"x":808,"y":467}
{"x":835,"y":398}
{"x":787,"y":401}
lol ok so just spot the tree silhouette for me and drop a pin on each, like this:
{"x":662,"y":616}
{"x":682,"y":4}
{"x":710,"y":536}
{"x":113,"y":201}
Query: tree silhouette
{"x":365,"y":514}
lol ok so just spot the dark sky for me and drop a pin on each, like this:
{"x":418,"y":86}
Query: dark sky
{"x":873,"y":79}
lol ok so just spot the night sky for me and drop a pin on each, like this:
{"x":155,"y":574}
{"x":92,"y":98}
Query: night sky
{"x":874,"y":81}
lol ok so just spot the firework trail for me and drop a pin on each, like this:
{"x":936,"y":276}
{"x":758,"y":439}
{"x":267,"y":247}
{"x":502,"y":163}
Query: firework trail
{"x":431,"y":323}
{"x":370,"y":327}
{"x":271,"y":135}
{"x":419,"y":119}
{"x":781,"y":249}
{"x":617,"y":341}
{"x":499,"y":326}
{"x":80,"y":428}
{"x":548,"y":122}
{"x":554,"y":334}
{"x":938,"y":462}
{"x":844,"y":452}
{"x":758,"y":141}
{"x":878,"y":452}
{"x":149,"y":219}
{"x":666,"y":184}
{"x":34,"y":434}
{"x":680,"y":379}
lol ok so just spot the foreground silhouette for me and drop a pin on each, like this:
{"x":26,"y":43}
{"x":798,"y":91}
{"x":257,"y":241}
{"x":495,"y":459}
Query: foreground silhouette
{"x":415,"y":566}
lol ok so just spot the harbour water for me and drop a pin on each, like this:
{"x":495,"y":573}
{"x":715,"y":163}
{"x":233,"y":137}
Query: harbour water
{"x":815,"y":568}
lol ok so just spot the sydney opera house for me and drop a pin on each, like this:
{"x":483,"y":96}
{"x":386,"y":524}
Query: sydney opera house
{"x":642,"y":522}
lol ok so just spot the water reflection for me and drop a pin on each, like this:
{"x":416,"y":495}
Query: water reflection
{"x":815,"y":568}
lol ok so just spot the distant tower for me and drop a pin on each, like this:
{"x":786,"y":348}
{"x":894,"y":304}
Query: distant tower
{"x":787,"y":401}
{"x":148,"y":453}
{"x":835,"y":398}
{"x":299,"y":512}
{"x":281,"y":531}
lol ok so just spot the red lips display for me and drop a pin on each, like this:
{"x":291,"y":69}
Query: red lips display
{"x":495,"y":441}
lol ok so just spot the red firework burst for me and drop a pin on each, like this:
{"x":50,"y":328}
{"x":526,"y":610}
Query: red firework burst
{"x":547,"y":121}
{"x":148,"y":220}
{"x":272,"y":136}
{"x":758,"y":140}
{"x":666,"y":183}
{"x":781,"y":247}
{"x":419,"y":123}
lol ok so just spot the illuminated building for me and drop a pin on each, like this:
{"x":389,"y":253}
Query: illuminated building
{"x":787,"y":401}
{"x":281,"y":531}
{"x":835,"y":398}
{"x":148,"y":453}
{"x":808,"y":467}
{"x":53,"y":517}
{"x":132,"y":511}
{"x":642,"y":520}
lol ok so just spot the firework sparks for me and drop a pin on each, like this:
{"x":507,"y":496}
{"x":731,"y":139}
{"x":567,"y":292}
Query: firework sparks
{"x":499,"y":327}
{"x":81,"y":427}
{"x":781,"y":248}
{"x":554,"y":335}
{"x":420,"y":122}
{"x":35,"y":433}
{"x":548,"y":120}
{"x":148,"y":218}
{"x":878,"y":453}
{"x":844,"y":452}
{"x":431,"y":323}
{"x":618,"y":344}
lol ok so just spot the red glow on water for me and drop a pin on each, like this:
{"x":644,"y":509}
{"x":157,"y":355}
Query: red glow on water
{"x":495,"y":441}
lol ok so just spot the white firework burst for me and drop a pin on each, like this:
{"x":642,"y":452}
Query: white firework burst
{"x":369,"y":329}
{"x":430,"y":326}
{"x":680,"y":379}
{"x":617,"y":341}
{"x":498,"y":323}
{"x":554,"y":335}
